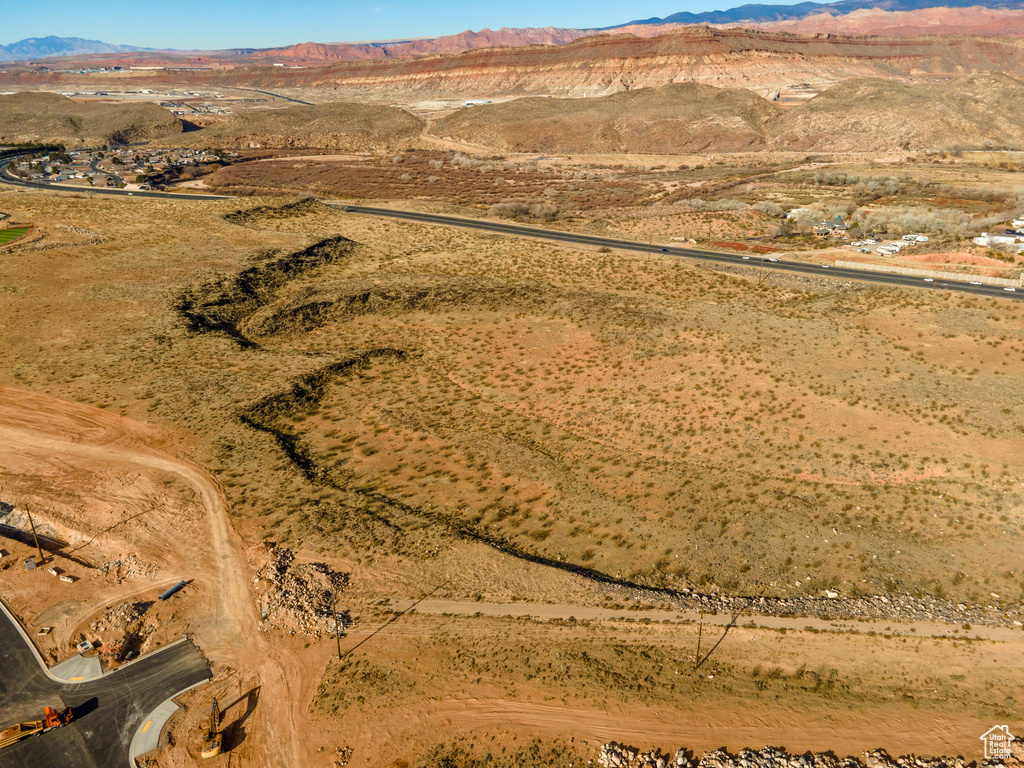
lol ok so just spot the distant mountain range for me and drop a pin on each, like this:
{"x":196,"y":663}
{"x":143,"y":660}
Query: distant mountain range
{"x":764,"y":13}
{"x":44,"y":47}
{"x":887,"y":18}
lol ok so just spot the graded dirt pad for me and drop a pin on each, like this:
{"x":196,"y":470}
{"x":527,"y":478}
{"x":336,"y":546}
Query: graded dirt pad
{"x":477,"y":417}
{"x":49,"y":117}
{"x":338,"y":126}
{"x":679,"y":118}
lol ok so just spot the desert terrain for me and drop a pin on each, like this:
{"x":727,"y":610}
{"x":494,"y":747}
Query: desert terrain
{"x":454,"y":498}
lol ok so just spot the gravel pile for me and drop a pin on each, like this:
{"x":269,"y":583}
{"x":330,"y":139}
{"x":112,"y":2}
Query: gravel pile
{"x":298,"y":597}
{"x":615,"y":755}
{"x":895,"y":607}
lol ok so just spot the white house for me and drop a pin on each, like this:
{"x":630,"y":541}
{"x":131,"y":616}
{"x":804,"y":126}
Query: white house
{"x":1010,"y":240}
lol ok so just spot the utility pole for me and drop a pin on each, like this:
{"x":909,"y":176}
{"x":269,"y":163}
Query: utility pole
{"x":42,"y":559}
{"x":337,"y":627}
{"x":700,"y":632}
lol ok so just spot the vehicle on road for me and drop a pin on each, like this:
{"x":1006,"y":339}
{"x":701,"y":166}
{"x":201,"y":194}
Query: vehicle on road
{"x":824,"y":266}
{"x":929,"y":279}
{"x":976,"y":282}
{"x":772,"y":259}
{"x":51,"y":719}
{"x":1010,"y":289}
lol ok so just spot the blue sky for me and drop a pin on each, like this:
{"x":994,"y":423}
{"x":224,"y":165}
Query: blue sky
{"x":204,"y":24}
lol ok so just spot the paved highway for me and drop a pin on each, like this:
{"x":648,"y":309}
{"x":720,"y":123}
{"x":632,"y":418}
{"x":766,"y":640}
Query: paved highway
{"x":109,"y":709}
{"x":692,"y":253}
{"x":780,"y":265}
{"x":6,"y":177}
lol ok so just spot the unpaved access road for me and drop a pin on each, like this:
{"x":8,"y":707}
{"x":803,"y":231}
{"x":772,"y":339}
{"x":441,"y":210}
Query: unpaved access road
{"x":745,"y":619}
{"x":32,"y":424}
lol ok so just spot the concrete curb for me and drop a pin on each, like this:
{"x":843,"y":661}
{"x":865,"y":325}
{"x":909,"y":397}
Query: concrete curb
{"x":77,"y":669}
{"x":28,"y":640}
{"x":46,"y":670}
{"x":148,"y":735}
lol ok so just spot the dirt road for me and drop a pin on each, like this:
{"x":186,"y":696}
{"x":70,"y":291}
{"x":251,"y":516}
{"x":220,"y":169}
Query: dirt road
{"x":76,"y":434}
{"x":746,"y":619}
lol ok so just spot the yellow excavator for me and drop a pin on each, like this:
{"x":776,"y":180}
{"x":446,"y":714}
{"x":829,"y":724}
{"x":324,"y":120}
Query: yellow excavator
{"x":212,"y":737}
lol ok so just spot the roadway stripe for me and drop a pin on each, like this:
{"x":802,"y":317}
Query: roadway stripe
{"x":146,"y":726}
{"x":815,"y":270}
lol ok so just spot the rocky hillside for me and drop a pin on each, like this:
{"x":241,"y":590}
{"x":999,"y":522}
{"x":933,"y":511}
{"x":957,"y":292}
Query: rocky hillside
{"x":862,"y":114}
{"x":342,"y":126}
{"x":609,"y":63}
{"x":1008,"y":22}
{"x":874,"y":114}
{"x":50,"y":117}
{"x":679,"y":118}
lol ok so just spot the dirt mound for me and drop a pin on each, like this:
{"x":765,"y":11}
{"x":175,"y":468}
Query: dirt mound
{"x":220,"y":306}
{"x":867,"y":114}
{"x":49,"y":117}
{"x":270,"y":212}
{"x":342,"y":126}
{"x":677,"y":118}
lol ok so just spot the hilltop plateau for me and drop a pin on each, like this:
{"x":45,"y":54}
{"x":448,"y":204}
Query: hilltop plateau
{"x":874,"y":114}
{"x":31,"y":117}
{"x":345,"y":126}
{"x":679,"y":118}
{"x":858,"y":115}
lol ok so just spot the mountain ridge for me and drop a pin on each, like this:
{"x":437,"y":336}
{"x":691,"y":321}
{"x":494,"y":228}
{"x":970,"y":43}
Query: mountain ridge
{"x":52,"y":46}
{"x":888,"y":18}
{"x":756,"y":12}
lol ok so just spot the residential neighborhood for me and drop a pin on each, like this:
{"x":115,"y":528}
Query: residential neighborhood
{"x":125,"y":167}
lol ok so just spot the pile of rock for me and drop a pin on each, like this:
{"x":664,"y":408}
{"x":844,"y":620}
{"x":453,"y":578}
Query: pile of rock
{"x":299,"y":597}
{"x":120,"y":617}
{"x":615,"y":755}
{"x":894,"y":607}
{"x":128,"y":567}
